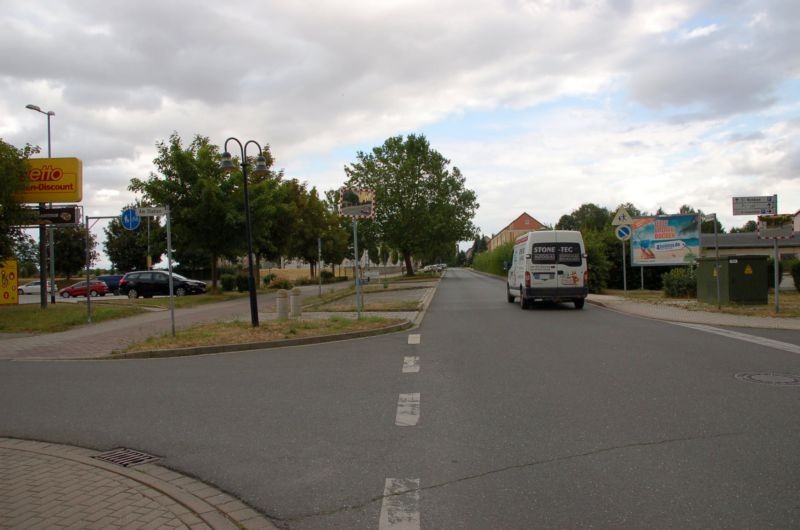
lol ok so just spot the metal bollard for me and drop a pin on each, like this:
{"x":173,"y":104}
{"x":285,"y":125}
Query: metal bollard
{"x":282,"y":304}
{"x":296,"y":305}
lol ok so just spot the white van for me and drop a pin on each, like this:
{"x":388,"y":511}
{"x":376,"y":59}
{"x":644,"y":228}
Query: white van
{"x":548,"y":265}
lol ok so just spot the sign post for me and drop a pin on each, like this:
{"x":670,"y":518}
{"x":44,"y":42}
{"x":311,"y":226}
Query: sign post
{"x":776,"y":227}
{"x":357,"y":203}
{"x":158,"y":211}
{"x":623,"y":233}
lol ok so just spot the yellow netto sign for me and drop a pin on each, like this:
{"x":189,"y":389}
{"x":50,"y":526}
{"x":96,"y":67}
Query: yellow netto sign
{"x":53,"y":180}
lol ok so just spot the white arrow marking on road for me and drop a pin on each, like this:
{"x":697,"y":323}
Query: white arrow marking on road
{"x":410,"y":365}
{"x":761,"y":341}
{"x":414,"y":339}
{"x":400,"y":507}
{"x":407,"y":410}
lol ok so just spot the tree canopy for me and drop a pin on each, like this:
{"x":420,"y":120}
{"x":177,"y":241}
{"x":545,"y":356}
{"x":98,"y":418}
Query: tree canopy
{"x":421,"y":203}
{"x":12,"y":176}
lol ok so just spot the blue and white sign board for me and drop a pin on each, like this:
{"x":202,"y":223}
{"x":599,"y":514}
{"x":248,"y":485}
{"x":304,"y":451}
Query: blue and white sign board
{"x":623,"y":232}
{"x":130,"y":219}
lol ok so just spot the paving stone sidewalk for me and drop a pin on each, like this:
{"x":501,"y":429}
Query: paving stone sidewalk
{"x":46,"y":485}
{"x":674,"y":313}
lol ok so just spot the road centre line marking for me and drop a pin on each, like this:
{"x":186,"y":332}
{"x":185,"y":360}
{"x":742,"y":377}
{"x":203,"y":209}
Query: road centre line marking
{"x":761,"y":341}
{"x":414,"y":338}
{"x":400,"y":507}
{"x":410,"y":364}
{"x":407,"y":410}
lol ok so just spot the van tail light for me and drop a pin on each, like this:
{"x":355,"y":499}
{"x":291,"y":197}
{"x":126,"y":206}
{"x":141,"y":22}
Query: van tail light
{"x":585,"y":278}
{"x":527,"y":279}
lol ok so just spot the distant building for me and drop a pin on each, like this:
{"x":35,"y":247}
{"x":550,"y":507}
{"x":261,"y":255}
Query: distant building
{"x":521,"y":225}
{"x":748,"y":244}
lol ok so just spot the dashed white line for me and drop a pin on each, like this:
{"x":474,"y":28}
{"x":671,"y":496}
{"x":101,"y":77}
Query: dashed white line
{"x":400,"y":507}
{"x":410,"y":365}
{"x":414,"y":338}
{"x":761,"y":341}
{"x":407,"y":410}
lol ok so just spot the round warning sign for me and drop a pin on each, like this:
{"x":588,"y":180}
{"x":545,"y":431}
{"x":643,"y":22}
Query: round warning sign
{"x":623,"y":232}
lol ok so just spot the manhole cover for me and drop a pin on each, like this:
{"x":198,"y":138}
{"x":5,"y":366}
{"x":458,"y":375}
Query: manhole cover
{"x":767,"y":378}
{"x":126,"y":457}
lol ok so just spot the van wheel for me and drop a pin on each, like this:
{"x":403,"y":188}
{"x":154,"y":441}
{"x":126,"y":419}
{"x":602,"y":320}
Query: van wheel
{"x":509,"y":296}
{"x":523,"y":302}
{"x":579,"y":303}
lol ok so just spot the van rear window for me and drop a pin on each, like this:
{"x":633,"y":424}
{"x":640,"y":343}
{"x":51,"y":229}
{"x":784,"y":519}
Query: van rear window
{"x":551,"y":253}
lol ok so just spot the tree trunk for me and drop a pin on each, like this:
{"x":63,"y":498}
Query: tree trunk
{"x":257,"y":272}
{"x":409,"y":267}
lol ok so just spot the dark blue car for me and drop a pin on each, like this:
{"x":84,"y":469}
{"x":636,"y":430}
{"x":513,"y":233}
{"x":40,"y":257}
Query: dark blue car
{"x":112,"y":280}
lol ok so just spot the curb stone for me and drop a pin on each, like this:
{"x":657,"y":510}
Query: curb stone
{"x":225,"y":348}
{"x":100,"y":491}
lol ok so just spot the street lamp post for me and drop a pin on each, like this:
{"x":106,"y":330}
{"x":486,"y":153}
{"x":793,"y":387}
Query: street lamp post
{"x":227,"y":165}
{"x":43,"y":230}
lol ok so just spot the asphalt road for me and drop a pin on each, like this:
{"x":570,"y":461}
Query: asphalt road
{"x":546,"y":418}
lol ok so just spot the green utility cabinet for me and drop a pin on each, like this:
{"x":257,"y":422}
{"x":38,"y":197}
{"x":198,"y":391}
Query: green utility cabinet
{"x":742,"y":280}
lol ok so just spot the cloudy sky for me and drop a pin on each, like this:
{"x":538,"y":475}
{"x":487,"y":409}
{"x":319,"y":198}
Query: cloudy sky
{"x":543,"y":104}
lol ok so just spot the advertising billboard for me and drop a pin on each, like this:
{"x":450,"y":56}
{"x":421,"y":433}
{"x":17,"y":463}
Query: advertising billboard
{"x":9,"y":282}
{"x":53,"y":180}
{"x":665,"y":240}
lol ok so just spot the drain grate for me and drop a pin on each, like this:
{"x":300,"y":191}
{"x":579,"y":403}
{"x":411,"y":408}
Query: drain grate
{"x":126,"y":457}
{"x":768,"y":378}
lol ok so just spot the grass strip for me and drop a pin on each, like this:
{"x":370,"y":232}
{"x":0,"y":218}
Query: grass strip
{"x":31,"y":318}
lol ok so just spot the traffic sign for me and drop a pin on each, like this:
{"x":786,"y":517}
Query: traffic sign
{"x":130,"y":219}
{"x":157,"y":211}
{"x":764,"y":205}
{"x":623,"y":232}
{"x":622,"y":217}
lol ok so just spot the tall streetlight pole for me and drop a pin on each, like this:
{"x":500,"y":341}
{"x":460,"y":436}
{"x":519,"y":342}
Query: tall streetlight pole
{"x":227,"y":165}
{"x":43,"y":230}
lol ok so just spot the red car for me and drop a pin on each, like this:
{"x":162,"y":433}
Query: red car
{"x":96,"y":288}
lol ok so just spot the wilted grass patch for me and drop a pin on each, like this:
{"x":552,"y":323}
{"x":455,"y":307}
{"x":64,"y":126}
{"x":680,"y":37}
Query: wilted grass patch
{"x":242,"y":332}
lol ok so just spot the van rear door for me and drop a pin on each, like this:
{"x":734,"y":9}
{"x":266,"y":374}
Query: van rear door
{"x":569,"y":255}
{"x":543,"y":267}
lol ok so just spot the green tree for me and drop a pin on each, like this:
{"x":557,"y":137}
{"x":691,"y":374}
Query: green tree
{"x":206,"y":223}
{"x":127,"y":249}
{"x":587,"y":217}
{"x":749,"y":226}
{"x":311,"y":223}
{"x":70,"y":250}
{"x":12,"y":179}
{"x":419,"y":201}
{"x":27,"y":253}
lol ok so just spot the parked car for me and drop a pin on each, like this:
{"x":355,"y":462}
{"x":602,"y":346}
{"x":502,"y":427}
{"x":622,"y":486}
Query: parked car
{"x":155,"y":283}
{"x":96,"y":288}
{"x":33,"y":288}
{"x":112,"y":281}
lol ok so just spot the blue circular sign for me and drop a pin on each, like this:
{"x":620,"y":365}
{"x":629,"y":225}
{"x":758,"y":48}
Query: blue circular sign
{"x":130,"y":219}
{"x":623,"y":232}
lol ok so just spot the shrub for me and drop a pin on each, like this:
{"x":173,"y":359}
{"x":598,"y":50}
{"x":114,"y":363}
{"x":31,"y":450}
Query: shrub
{"x":794,"y":268}
{"x":281,"y":284}
{"x":327,"y":276}
{"x":771,"y":271}
{"x":228,"y":282}
{"x":492,"y":261}
{"x":679,"y":283}
{"x":242,"y":284}
{"x":268,"y":279}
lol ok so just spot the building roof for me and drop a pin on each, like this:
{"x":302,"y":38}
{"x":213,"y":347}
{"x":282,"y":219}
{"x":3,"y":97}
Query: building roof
{"x":523,"y":222}
{"x":746,"y":240}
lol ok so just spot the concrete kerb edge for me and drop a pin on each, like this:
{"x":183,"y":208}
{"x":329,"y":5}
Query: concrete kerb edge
{"x":425,"y":303}
{"x":200,"y":507}
{"x":226,"y":348}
